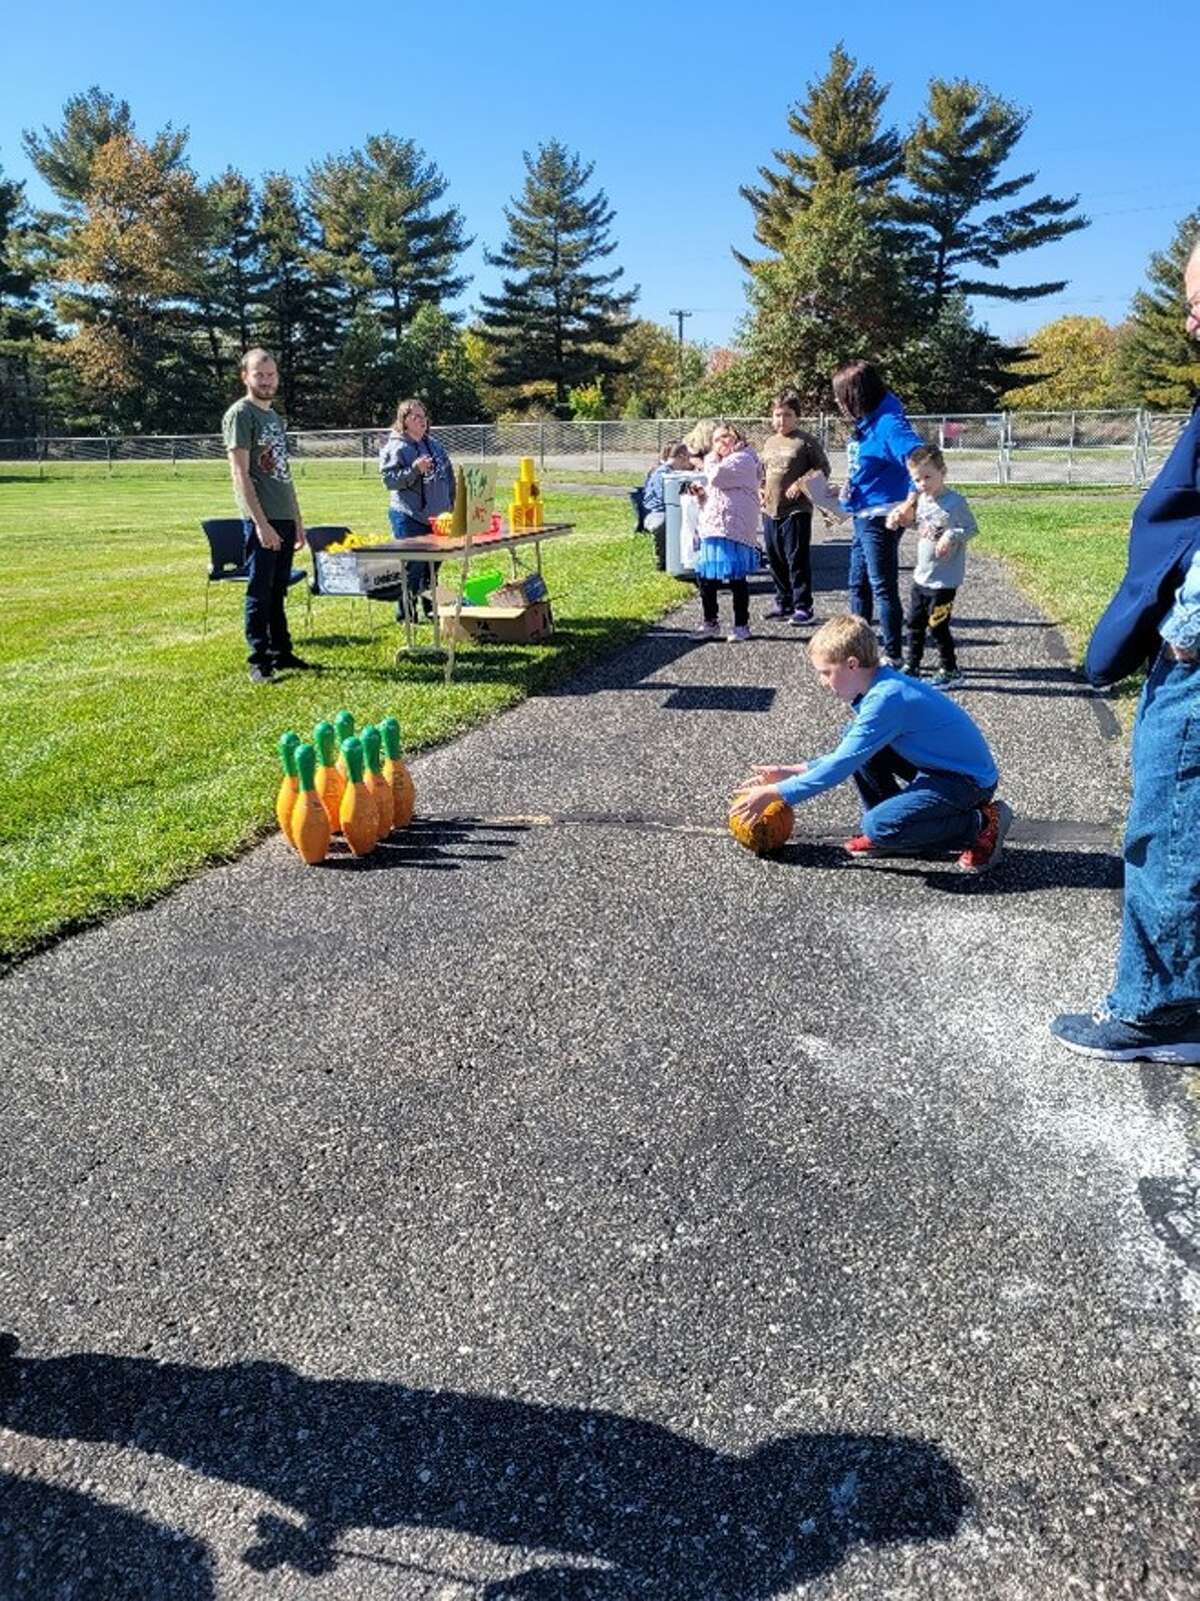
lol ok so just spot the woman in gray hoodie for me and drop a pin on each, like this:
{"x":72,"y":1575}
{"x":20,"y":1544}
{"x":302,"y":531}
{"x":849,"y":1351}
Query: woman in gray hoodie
{"x":419,"y":477}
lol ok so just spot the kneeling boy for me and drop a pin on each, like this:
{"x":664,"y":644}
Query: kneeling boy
{"x":922,"y":767}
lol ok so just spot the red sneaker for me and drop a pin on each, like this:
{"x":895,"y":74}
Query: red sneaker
{"x":989,"y":844}
{"x":860,"y":847}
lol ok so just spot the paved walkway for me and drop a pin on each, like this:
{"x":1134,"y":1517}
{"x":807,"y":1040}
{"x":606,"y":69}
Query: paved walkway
{"x":567,"y":1204}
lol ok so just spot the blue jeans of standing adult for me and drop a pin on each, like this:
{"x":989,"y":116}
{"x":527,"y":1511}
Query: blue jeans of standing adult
{"x":266,"y":618}
{"x":1158,"y":965}
{"x":875,"y":578}
{"x":909,"y":810}
{"x":422,"y":575}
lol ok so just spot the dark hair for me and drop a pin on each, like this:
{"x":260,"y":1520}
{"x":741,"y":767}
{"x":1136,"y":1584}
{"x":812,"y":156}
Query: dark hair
{"x":790,"y":399}
{"x":858,"y":389}
{"x":926,"y":453}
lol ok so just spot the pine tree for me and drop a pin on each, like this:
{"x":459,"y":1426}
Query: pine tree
{"x":22,"y":323}
{"x":300,"y":319}
{"x":555,"y":325}
{"x":64,"y":156}
{"x":839,"y":128}
{"x":377,"y":212}
{"x":952,"y":365}
{"x":952,"y":162}
{"x":835,"y":292}
{"x":126,"y":269}
{"x":1158,"y":362}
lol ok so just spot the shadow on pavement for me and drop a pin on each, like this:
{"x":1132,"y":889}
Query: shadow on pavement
{"x":437,"y":844}
{"x":663,"y":1514}
{"x":56,"y":1542}
{"x":1022,"y":870}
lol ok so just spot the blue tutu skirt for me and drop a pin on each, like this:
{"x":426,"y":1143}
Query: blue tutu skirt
{"x":723,"y":559}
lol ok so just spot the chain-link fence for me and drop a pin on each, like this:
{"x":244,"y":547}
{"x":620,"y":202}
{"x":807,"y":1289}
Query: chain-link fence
{"x":1104,"y":448}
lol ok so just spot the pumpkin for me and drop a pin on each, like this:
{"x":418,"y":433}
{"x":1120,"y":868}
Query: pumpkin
{"x":770,"y":831}
{"x":310,"y":821}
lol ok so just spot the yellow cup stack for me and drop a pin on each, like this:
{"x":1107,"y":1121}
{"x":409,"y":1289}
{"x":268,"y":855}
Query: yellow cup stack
{"x":525,"y":508}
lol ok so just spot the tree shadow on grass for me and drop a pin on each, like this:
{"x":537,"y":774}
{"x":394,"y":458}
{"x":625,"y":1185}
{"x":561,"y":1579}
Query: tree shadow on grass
{"x":659,"y":1513}
{"x":56,"y":1542}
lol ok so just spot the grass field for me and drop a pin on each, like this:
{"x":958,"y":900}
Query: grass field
{"x":136,"y":749}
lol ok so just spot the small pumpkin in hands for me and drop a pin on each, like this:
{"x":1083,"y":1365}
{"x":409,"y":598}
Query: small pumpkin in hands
{"x":769,"y":831}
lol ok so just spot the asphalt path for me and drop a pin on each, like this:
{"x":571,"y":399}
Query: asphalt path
{"x":563,"y":1203}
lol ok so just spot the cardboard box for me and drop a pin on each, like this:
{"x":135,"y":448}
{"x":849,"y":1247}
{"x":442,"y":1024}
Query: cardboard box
{"x":519,"y":591}
{"x":497,"y":625}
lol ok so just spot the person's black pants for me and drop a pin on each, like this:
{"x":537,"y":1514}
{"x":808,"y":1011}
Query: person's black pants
{"x":789,"y":556}
{"x":738,"y":588}
{"x":266,"y":618}
{"x":929,"y":611}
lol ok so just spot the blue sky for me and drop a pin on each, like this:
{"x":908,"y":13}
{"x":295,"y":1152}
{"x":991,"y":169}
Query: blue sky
{"x":675,"y":104}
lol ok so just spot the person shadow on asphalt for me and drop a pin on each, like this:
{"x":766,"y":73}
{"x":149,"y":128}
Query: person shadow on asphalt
{"x":663,"y":1514}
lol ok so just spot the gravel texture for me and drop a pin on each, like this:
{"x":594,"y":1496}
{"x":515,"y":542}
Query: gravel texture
{"x":563,"y":1203}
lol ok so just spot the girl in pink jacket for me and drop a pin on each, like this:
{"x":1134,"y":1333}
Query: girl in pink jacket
{"x":729,"y":525}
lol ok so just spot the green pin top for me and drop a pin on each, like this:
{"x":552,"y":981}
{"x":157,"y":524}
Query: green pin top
{"x":372,"y":744}
{"x":344,"y":724}
{"x":392,"y":743}
{"x":325,"y":740}
{"x":352,"y":750}
{"x":306,"y":766}
{"x":287,"y":752}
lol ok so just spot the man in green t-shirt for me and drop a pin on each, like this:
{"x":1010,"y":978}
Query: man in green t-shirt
{"x":256,"y":443}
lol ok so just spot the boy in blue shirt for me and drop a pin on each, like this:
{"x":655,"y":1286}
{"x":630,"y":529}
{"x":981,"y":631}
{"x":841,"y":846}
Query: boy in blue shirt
{"x":921,"y":766}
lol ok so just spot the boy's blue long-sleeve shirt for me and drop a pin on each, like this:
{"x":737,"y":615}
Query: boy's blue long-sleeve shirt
{"x":919,"y":722}
{"x":877,"y":451}
{"x":1162,"y":541}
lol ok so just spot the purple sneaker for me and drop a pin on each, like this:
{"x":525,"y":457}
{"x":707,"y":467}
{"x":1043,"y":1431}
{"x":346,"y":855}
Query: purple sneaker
{"x":776,"y":613}
{"x":801,"y":617}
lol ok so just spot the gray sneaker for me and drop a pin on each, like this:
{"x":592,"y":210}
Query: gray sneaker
{"x":948,"y":680}
{"x":707,"y":631}
{"x":1114,"y":1040}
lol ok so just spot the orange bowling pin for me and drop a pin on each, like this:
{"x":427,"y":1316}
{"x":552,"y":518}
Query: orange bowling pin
{"x":357,"y":814}
{"x":310,"y":821}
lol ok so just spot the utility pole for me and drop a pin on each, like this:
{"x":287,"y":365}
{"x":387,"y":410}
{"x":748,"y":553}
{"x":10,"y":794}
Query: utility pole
{"x":679,"y":315}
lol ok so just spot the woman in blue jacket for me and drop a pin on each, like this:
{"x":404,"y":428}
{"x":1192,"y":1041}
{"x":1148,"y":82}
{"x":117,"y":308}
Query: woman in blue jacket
{"x":876,"y":480}
{"x":417,"y":472}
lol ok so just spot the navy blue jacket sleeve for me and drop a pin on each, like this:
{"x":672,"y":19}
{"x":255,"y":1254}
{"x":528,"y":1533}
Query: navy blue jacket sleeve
{"x":1162,"y":540}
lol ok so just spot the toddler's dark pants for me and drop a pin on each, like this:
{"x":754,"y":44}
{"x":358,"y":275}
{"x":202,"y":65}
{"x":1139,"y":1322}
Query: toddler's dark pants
{"x":930,"y":611}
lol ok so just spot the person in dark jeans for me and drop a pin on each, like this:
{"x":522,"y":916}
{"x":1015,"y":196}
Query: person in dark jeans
{"x":788,"y":455}
{"x":256,"y":443}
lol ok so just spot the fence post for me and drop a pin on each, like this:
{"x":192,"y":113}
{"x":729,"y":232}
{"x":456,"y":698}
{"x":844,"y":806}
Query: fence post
{"x":600,"y":443}
{"x":363,"y":467}
{"x":542,"y":445}
{"x":1071,"y":450}
{"x":108,"y":454}
{"x":174,"y":459}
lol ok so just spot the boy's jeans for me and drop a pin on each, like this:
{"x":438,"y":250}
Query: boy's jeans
{"x":911,"y":812}
{"x":874,"y":581}
{"x":789,"y":556}
{"x":270,"y":572}
{"x":1158,"y":966}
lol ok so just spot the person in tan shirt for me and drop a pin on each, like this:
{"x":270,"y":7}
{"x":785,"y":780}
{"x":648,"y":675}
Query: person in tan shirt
{"x":787,"y":455}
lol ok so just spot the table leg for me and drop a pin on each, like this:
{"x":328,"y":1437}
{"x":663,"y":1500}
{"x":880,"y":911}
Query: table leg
{"x":406,"y":607}
{"x":458,"y":606}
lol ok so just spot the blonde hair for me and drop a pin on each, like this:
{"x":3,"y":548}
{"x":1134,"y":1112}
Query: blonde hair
{"x":699,"y":441}
{"x":724,"y":424}
{"x":844,"y":636}
{"x":405,"y":408}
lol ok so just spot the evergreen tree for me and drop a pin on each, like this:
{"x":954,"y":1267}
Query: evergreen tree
{"x":233,"y":276}
{"x":377,"y":212}
{"x":64,"y":156}
{"x":839,"y":129}
{"x":299,"y":313}
{"x":555,"y":325}
{"x":952,"y":162}
{"x":1158,"y":362}
{"x":951,"y":365}
{"x":126,"y":268}
{"x":836,"y":291}
{"x":22,"y":323}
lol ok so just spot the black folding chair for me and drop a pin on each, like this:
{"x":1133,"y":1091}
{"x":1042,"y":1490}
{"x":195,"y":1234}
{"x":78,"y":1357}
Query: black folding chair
{"x":227,"y":558}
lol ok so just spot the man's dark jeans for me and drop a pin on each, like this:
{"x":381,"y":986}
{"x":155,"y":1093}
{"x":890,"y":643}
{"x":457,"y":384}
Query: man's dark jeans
{"x":266,"y":619}
{"x":789,"y":556}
